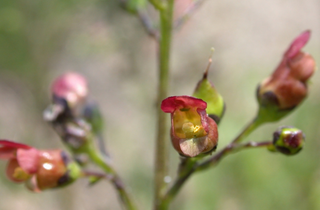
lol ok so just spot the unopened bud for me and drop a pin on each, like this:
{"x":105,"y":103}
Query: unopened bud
{"x":71,"y":87}
{"x":288,"y":140}
{"x":287,"y":87}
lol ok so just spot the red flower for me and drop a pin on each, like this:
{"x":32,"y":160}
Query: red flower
{"x":192,"y":131}
{"x":39,"y":169}
{"x":288,"y":83}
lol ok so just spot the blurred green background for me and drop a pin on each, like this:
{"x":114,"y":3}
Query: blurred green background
{"x":39,"y":40}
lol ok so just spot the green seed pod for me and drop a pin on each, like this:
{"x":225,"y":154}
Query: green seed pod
{"x":206,"y":91}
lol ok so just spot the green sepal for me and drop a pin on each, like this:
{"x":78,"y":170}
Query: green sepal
{"x":271,"y":113}
{"x":74,"y":170}
{"x":72,"y":174}
{"x":93,"y":116}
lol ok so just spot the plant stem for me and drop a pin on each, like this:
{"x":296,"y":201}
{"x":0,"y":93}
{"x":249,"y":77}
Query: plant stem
{"x":115,"y":180}
{"x":187,"y":167}
{"x":199,"y":166}
{"x":162,"y":145}
{"x":233,"y":147}
{"x":247,"y":130}
{"x":158,"y":4}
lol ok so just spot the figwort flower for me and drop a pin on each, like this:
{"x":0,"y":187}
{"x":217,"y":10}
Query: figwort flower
{"x":192,"y":131}
{"x":39,"y":169}
{"x":287,"y":86}
{"x":288,"y":140}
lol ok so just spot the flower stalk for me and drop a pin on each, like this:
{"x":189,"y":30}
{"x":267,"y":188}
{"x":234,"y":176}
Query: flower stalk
{"x":114,"y":177}
{"x":162,"y":145}
{"x":195,"y":165}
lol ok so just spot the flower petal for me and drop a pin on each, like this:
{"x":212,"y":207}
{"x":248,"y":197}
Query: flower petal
{"x":9,"y":148}
{"x":32,"y":184}
{"x":298,"y":44}
{"x":193,"y":147}
{"x":12,"y":144}
{"x":28,"y":159}
{"x":7,"y":153}
{"x":170,"y":104}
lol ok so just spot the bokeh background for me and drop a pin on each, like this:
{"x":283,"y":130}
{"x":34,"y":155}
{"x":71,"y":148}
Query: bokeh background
{"x":40,"y":40}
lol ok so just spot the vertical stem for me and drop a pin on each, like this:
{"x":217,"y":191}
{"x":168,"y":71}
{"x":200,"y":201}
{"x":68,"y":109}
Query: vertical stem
{"x":161,"y":159}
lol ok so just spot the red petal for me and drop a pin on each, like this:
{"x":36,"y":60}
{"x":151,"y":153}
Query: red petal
{"x":298,"y":44}
{"x":12,"y":144}
{"x":28,"y":160}
{"x":7,"y":153}
{"x":9,"y":148}
{"x":170,"y":104}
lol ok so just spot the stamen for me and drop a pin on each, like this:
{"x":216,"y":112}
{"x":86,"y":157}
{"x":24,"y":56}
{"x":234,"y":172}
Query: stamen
{"x":188,"y":128}
{"x":192,"y":131}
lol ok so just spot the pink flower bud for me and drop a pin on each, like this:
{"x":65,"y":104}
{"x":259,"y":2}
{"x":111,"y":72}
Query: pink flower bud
{"x":71,"y":87}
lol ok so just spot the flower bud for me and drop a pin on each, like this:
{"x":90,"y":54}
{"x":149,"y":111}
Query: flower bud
{"x":287,"y":86}
{"x":192,"y":131}
{"x":69,"y":91}
{"x":288,"y":140}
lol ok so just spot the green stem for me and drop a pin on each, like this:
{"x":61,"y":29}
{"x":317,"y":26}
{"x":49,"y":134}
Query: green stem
{"x":231,"y":148}
{"x":247,"y":130}
{"x":162,"y":143}
{"x":116,"y":180}
{"x":187,"y":167}
{"x":196,"y":166}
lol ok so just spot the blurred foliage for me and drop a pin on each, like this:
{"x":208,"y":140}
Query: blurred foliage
{"x":41,"y":39}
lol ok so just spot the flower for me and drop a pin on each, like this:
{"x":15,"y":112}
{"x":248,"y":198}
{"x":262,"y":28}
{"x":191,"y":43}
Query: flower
{"x":287,"y":86}
{"x":288,"y":140}
{"x":39,"y":169}
{"x":192,"y":131}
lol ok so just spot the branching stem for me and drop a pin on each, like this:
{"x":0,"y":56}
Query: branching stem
{"x":199,"y":166}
